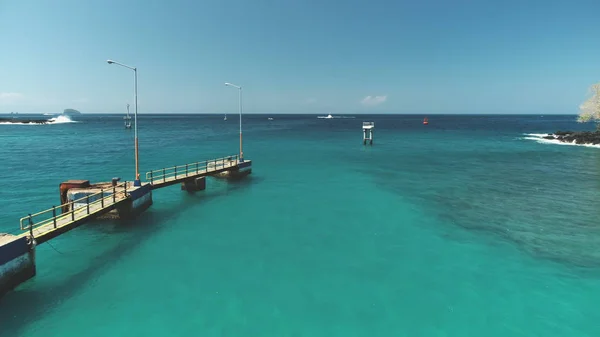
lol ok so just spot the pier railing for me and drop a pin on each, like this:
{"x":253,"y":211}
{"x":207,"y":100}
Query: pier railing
{"x":190,"y":170}
{"x":78,"y":208}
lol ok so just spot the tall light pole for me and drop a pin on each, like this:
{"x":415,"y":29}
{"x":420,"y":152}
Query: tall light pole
{"x":137,"y":167}
{"x":240,"y":90}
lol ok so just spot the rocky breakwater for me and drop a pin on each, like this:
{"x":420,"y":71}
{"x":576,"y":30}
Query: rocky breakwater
{"x":24,"y":121}
{"x":581,"y":137}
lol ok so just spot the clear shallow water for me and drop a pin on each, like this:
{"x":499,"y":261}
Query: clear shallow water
{"x":459,"y":228}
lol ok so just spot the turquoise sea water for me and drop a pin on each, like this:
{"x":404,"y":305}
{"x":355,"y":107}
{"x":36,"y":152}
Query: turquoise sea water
{"x":459,"y":228}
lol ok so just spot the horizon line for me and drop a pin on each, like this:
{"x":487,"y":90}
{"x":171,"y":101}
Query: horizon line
{"x":304,"y":113}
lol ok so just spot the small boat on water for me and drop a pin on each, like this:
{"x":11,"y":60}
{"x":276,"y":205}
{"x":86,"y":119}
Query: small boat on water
{"x":326,"y":117}
{"x":225,"y":117}
{"x":425,"y":121}
{"x":270,"y":118}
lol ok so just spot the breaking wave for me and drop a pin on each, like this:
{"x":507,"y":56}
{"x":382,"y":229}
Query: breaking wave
{"x":539,"y":137}
{"x":62,"y":119}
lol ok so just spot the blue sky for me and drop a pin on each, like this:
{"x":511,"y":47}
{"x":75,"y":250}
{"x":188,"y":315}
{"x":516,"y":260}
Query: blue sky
{"x":295,"y":56}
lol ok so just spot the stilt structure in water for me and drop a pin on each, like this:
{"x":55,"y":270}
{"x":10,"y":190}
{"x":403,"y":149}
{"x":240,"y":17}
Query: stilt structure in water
{"x":368,"y":128}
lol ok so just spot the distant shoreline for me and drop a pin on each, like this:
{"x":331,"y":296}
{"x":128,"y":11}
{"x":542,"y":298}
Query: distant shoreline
{"x":24,"y":121}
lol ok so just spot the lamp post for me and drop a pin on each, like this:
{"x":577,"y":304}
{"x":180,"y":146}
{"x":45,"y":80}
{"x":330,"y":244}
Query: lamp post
{"x":137,"y":170}
{"x":240,"y":90}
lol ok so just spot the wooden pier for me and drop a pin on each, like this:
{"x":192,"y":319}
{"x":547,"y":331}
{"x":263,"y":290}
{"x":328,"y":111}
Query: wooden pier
{"x":178,"y":174}
{"x":51,"y":222}
{"x":48,"y":224}
{"x":123,"y":200}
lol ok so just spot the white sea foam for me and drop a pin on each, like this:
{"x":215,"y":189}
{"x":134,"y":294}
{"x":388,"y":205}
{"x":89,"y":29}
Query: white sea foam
{"x":10,"y":123}
{"x":538,"y":137}
{"x":336,"y":117}
{"x":62,"y":119}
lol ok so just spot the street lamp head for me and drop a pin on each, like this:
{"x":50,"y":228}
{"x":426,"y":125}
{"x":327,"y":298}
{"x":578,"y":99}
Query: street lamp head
{"x":110,"y":61}
{"x":232,"y":85}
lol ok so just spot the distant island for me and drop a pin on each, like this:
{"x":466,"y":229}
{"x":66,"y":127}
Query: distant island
{"x":71,"y":112}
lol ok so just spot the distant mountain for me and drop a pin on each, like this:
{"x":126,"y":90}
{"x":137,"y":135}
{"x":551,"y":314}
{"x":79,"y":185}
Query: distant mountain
{"x":71,"y":112}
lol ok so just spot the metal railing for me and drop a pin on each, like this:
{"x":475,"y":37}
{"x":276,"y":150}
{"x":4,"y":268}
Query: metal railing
{"x":54,"y":215}
{"x":182,"y":171}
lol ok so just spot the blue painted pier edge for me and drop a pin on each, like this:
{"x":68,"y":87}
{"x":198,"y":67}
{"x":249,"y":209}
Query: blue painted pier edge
{"x":140,"y":200}
{"x":17,"y":262}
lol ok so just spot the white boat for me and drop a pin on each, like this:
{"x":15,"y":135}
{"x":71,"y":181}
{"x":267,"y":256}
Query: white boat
{"x":127,"y":119}
{"x":270,"y":118}
{"x":225,"y":117}
{"x":326,"y":117}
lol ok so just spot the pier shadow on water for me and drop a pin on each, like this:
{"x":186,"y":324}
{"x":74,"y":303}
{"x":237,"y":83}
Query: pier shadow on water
{"x":30,"y":301}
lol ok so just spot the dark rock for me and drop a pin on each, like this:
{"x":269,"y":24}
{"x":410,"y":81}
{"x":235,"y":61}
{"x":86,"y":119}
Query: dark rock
{"x":23,"y":121}
{"x":583,"y":137}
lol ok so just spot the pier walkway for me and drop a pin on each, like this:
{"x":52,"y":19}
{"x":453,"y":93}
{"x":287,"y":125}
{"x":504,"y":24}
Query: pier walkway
{"x":177,"y":174}
{"x":116,"y":200}
{"x":52,"y":222}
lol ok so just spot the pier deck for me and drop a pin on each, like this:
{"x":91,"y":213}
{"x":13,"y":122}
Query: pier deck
{"x":177,"y":174}
{"x":6,"y":238}
{"x":17,"y":252}
{"x":48,"y":224}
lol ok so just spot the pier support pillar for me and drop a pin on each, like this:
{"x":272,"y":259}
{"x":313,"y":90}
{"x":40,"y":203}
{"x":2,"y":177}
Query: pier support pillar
{"x":140,"y":200}
{"x":194,"y":184}
{"x":241,"y":170}
{"x":240,"y":173}
{"x":17,"y":261}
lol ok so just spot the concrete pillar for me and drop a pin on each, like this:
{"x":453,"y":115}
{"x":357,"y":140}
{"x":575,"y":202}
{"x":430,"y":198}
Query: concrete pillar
{"x":240,"y":173}
{"x":242,"y":169}
{"x":194,"y":184}
{"x":17,"y":261}
{"x":139,"y":200}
